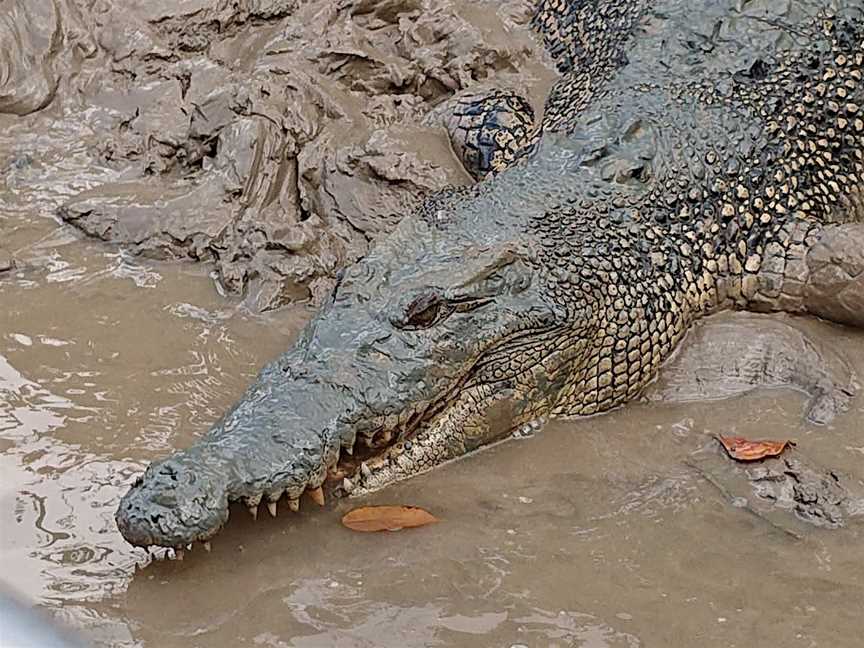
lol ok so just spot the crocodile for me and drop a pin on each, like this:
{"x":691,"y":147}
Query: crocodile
{"x":690,"y":159}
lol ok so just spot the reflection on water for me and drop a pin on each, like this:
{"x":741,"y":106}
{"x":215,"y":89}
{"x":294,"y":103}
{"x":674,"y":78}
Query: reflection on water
{"x":91,"y":388}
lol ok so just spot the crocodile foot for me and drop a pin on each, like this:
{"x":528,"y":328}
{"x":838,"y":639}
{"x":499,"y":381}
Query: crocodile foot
{"x":490,"y":131}
{"x":835,"y":285}
{"x":731,"y":354}
{"x":823,"y":275}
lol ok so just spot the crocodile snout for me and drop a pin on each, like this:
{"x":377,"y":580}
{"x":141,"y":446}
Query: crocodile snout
{"x":173,"y":505}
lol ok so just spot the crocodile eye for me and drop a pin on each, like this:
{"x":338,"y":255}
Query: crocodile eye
{"x":424,"y":311}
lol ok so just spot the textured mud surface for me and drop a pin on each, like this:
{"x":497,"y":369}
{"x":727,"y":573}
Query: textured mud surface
{"x":733,"y":354}
{"x":276,"y":138}
{"x":773,"y":488}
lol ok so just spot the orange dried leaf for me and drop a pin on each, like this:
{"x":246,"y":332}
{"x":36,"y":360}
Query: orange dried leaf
{"x":743,"y":449}
{"x":387,"y":518}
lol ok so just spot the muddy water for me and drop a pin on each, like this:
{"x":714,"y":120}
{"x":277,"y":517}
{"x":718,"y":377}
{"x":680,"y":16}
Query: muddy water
{"x":592,"y":533}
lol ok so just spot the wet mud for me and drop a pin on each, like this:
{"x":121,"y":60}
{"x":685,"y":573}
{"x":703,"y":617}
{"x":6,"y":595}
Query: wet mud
{"x":272,"y":141}
{"x":274,"y":138}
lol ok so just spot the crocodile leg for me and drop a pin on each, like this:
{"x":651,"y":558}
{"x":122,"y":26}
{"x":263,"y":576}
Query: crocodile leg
{"x":835,"y":285}
{"x":822,"y":273}
{"x":490,"y":131}
{"x":734,"y":353}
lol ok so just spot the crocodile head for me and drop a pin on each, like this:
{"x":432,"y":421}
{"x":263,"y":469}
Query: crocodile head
{"x":444,"y":338}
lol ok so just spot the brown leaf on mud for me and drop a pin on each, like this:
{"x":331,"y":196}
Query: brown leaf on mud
{"x":742,"y":449}
{"x":387,"y":518}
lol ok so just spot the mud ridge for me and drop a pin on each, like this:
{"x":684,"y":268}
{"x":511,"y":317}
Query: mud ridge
{"x":274,"y":138}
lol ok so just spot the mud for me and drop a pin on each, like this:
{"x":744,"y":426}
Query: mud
{"x":775,"y":487}
{"x":6,"y":261}
{"x":273,"y":138}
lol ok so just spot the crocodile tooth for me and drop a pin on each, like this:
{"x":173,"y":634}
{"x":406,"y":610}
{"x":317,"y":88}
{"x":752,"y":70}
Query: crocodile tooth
{"x":294,"y":505}
{"x":365,"y":469}
{"x":252,"y":501}
{"x":275,"y":495}
{"x":189,"y":547}
{"x":207,"y":546}
{"x":347,"y":485}
{"x":271,"y":506}
{"x":317,"y":495}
